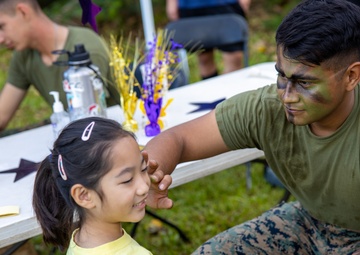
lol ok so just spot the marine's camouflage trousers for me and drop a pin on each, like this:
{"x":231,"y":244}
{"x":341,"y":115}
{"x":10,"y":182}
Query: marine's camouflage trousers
{"x":285,"y":229}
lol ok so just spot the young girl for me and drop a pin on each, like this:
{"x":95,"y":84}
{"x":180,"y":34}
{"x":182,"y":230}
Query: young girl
{"x":94,"y":179}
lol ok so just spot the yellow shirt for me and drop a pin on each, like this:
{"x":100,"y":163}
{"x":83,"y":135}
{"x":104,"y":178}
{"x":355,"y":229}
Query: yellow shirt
{"x":125,"y":245}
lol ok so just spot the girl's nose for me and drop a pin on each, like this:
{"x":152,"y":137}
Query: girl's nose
{"x":143,"y":185}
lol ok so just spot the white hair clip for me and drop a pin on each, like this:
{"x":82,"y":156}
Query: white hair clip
{"x":87,"y":132}
{"x":61,"y":168}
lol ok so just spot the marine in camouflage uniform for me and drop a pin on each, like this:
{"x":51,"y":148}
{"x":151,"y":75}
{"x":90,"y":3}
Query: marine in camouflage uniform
{"x":321,"y":171}
{"x":308,"y":126}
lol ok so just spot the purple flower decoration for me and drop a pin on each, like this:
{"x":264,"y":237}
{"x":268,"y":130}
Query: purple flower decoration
{"x":90,"y":10}
{"x":153,"y":110}
{"x":175,"y":45}
{"x":158,"y":74}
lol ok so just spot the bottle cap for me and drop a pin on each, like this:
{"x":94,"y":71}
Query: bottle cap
{"x":80,"y":56}
{"x":57,"y":106}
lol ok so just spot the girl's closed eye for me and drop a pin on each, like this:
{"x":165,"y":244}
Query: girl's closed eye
{"x":127,"y":181}
{"x":144,"y":169}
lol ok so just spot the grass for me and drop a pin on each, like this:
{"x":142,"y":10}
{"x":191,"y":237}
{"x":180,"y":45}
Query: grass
{"x":207,"y":206}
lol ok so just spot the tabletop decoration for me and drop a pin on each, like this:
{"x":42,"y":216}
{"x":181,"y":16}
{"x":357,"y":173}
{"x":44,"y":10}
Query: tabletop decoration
{"x":90,"y":10}
{"x":159,"y":70}
{"x":9,"y":210}
{"x":123,"y":62}
{"x":206,"y":106}
{"x":25,"y":168}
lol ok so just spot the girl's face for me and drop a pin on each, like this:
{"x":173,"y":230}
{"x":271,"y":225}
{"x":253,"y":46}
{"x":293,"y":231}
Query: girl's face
{"x":312,"y":96}
{"x":125,"y":187}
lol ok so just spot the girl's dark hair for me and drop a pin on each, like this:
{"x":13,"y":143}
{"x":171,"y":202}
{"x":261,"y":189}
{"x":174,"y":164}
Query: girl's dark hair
{"x":318,"y":30}
{"x":84,"y":162}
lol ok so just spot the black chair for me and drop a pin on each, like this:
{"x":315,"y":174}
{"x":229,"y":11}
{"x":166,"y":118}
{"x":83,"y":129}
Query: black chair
{"x":207,"y":32}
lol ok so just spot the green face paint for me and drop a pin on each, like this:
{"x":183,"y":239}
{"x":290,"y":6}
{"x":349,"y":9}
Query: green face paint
{"x":311,"y":95}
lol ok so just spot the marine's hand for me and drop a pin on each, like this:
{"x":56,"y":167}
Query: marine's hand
{"x":158,"y":193}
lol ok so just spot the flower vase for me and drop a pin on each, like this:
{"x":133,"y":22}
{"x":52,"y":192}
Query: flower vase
{"x":129,"y":107}
{"x":153,"y":110}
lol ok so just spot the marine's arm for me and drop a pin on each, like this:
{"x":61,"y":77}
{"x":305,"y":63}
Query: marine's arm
{"x":10,"y":99}
{"x":197,"y":139}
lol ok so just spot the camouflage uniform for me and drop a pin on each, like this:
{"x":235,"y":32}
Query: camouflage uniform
{"x":285,"y":229}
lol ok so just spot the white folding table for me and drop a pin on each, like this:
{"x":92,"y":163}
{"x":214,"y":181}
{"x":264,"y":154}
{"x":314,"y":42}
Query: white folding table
{"x":33,"y":145}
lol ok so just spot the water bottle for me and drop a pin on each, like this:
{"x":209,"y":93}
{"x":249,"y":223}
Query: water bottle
{"x":59,"y":118}
{"x":77,"y":108}
{"x":83,"y":85}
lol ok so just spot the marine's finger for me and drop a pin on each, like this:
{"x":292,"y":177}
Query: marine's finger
{"x":152,"y":166}
{"x":165,"y":203}
{"x":145,"y":155}
{"x":165,"y":182}
{"x":156,"y":176}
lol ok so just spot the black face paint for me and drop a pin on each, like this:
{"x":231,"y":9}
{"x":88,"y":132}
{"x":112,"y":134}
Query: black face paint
{"x":283,"y":83}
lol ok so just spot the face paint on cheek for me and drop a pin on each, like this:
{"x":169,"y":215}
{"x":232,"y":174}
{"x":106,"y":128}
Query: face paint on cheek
{"x":280,"y":83}
{"x":290,"y":118}
{"x":315,"y":96}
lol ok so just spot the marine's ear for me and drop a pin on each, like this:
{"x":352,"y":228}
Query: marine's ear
{"x":353,"y":76}
{"x":22,"y":7}
{"x":82,"y":196}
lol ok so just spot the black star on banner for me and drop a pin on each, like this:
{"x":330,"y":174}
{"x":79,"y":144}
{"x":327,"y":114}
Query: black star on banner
{"x":25,"y":168}
{"x":206,"y":106}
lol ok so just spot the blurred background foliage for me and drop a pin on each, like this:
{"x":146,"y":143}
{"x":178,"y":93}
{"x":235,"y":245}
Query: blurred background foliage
{"x":209,"y":210}
{"x":116,"y":16}
{"x":123,"y":17}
